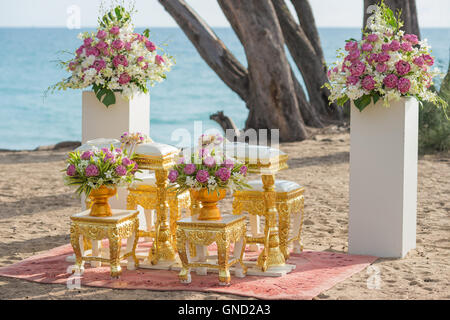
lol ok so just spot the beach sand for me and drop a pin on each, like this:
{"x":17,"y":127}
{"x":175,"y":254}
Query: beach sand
{"x":35,"y":207}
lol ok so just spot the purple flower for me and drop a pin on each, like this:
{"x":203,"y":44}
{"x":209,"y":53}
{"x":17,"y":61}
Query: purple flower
{"x":395,"y":45}
{"x":99,"y":64}
{"x":190,"y":168}
{"x":124,"y":78}
{"x":402,"y":67}
{"x":150,"y":46}
{"x":87,"y":42}
{"x":372,"y":57}
{"x":92,"y":51}
{"x":411,"y":38}
{"x":87,"y":155}
{"x":243,"y":170}
{"x":173,"y":175}
{"x":181,"y":160}
{"x":117,"y":44}
{"x":202,"y":176}
{"x":209,"y":162}
{"x":390,"y":81}
{"x":381,"y":67}
{"x":118,"y":150}
{"x":351,"y":45}
{"x":203,"y":152}
{"x":383,"y":57}
{"x":223,"y":174}
{"x":366,"y":47}
{"x":121,"y":171}
{"x":385,"y":47}
{"x":354,"y":54}
{"x":372,"y":37}
{"x":429,"y":60}
{"x":114,"y":30}
{"x":419,"y":61}
{"x":406,"y":46}
{"x":71,"y":170}
{"x":159,"y":59}
{"x":352,"y":80}
{"x":101,"y":34}
{"x":109,"y":157}
{"x":357,"y":68}
{"x":126,"y":161}
{"x":228,"y":163}
{"x":120,"y":59}
{"x":368,"y":83}
{"x":91,"y":171}
{"x":403,"y":85}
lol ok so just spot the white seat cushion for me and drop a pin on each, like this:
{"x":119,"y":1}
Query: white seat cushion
{"x":155,"y":149}
{"x":99,"y":143}
{"x":148,"y":179}
{"x":252,"y":152}
{"x":280,"y":185}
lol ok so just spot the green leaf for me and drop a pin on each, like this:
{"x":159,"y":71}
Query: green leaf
{"x":146,"y":32}
{"x":109,"y":99}
{"x":375,"y":97}
{"x":342,"y":100}
{"x":118,"y":13}
{"x":362,"y":102}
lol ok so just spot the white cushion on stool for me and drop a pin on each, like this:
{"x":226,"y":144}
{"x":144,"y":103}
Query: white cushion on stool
{"x":242,"y":150}
{"x":155,"y":149}
{"x":99,"y":143}
{"x":148,"y":179}
{"x":280,"y":185}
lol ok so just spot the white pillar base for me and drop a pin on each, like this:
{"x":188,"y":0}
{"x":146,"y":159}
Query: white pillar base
{"x":383,"y":179}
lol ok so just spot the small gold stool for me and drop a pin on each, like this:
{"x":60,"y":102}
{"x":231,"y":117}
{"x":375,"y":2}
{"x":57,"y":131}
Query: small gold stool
{"x":202,"y":233}
{"x":123,"y":224}
{"x":289,"y":202}
{"x":145,"y":194}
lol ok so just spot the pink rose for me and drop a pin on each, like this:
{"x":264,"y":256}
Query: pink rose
{"x":99,"y":64}
{"x":429,"y":60}
{"x":86,"y":155}
{"x":403,"y":85}
{"x":126,"y":161}
{"x":124,"y":78}
{"x":79,"y":51}
{"x":411,"y":38}
{"x":150,"y":46}
{"x":418,"y":61}
{"x":120,"y":60}
{"x":372,"y":37}
{"x":190,"y":168}
{"x":385,"y":47}
{"x":202,"y":176}
{"x":114,"y":30}
{"x":228,"y":163}
{"x":101,"y":34}
{"x":243,"y":170}
{"x":352,"y":80}
{"x":395,"y":45}
{"x":128,"y":46}
{"x":121,"y":171}
{"x":357,"y":68}
{"x":371,"y":58}
{"x":381,"y":67}
{"x":402,"y":67}
{"x":406,"y":46}
{"x":209,"y":162}
{"x":173,"y":175}
{"x":390,"y":81}
{"x":368,"y":83}
{"x":366,"y":47}
{"x":117,"y":44}
{"x":354,"y":54}
{"x":92,"y":51}
{"x":91,"y":171}
{"x":223,"y":174}
{"x":383,"y":57}
{"x":101,"y":45}
{"x":71,"y":170}
{"x":351,"y":46}
{"x":87,"y":42}
{"x":159,"y":59}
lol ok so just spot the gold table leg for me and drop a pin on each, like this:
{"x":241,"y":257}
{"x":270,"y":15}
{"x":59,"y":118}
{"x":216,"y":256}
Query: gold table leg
{"x":284,"y":223}
{"x":163,"y":249}
{"x":75,"y":239}
{"x":223,"y":252}
{"x":271,"y":255}
{"x":114,"y":254}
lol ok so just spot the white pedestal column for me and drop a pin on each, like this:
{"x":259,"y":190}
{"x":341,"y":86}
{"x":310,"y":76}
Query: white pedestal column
{"x":99,"y":121}
{"x":383,"y":179}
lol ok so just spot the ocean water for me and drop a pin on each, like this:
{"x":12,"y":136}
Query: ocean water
{"x":192,"y":91}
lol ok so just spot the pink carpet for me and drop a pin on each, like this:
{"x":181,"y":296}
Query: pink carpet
{"x":315,"y":273}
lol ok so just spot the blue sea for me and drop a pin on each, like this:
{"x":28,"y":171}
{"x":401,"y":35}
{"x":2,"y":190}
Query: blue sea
{"x":191,"y":92}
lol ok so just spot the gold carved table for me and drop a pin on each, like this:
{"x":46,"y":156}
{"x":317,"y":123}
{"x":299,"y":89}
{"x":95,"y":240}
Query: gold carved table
{"x":266,"y":162}
{"x":123,"y":224}
{"x":201,"y":233}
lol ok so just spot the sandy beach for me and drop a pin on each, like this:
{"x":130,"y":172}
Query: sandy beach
{"x":35,"y":207}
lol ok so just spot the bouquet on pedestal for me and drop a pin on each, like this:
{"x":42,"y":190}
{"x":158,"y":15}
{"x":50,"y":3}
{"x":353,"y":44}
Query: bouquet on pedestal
{"x":387,"y":64}
{"x":115,"y":58}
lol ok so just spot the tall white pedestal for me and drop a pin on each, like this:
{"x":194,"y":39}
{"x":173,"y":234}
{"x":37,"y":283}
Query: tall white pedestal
{"x":98,"y":121}
{"x":383,"y":179}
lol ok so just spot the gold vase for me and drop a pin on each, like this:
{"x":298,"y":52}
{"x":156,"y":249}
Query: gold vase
{"x":209,"y":210}
{"x":99,"y":200}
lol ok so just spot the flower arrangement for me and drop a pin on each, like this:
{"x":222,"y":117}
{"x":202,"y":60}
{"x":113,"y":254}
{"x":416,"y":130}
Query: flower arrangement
{"x":386,"y":64}
{"x":94,"y":168}
{"x":208,"y":168}
{"x":115,"y":59}
{"x":130,"y":140}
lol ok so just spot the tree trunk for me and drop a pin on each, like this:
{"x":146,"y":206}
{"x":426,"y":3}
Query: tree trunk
{"x":310,"y":63}
{"x":272,"y":103}
{"x":409,"y":13}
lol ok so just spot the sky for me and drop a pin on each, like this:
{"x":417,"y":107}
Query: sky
{"x":60,"y":13}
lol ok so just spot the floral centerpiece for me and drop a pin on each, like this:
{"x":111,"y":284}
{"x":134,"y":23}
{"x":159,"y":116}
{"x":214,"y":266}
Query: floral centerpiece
{"x":386,"y":64}
{"x":97,"y":173}
{"x":208,"y":173}
{"x":130,"y":140}
{"x":115,"y":59}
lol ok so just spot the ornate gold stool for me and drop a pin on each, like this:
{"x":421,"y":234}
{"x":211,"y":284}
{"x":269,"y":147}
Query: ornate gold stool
{"x":145,"y":194}
{"x":202,"y":233}
{"x":289,"y":201}
{"x":123,"y":224}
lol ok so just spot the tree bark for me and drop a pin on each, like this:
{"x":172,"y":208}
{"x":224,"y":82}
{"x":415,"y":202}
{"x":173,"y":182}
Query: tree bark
{"x":309,"y":63}
{"x":273,"y":103}
{"x":209,"y":46}
{"x":409,"y":13}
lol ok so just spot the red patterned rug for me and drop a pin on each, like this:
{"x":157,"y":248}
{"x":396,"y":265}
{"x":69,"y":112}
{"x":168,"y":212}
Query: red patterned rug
{"x":315,"y":273}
